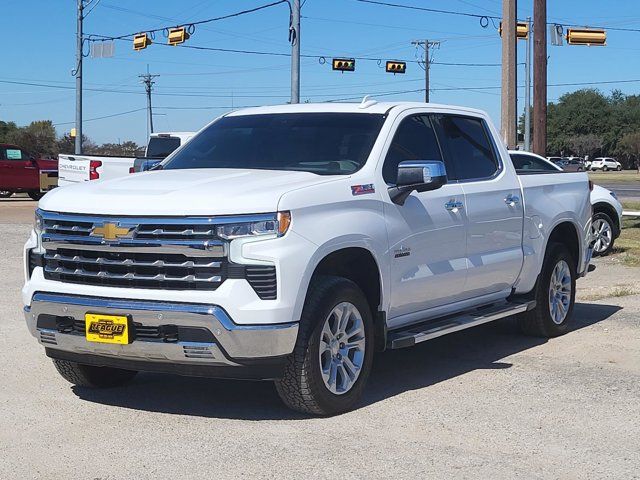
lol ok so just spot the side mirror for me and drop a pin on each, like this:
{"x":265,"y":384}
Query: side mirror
{"x":418,"y":175}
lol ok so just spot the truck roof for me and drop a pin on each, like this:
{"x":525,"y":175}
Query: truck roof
{"x":366,"y":106}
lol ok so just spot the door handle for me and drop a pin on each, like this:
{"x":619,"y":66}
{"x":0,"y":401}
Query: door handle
{"x":453,"y":205}
{"x":512,"y":200}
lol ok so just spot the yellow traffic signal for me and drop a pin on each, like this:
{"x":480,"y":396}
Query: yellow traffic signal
{"x":396,"y":67}
{"x":178,"y":35}
{"x":344,"y":64}
{"x":141,"y":41}
{"x":522,"y":30}
{"x":586,"y":36}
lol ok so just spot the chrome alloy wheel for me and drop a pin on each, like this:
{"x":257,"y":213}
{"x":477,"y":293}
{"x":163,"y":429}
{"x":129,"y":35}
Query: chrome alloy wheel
{"x":560,"y":292}
{"x":602,"y":234}
{"x":342,"y":346}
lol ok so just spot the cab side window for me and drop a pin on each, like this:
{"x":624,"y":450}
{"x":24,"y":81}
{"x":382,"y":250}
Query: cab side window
{"x":466,"y":144}
{"x":14,"y":154}
{"x":414,"y":139}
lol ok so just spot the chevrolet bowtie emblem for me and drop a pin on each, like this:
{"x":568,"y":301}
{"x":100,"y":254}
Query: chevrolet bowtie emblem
{"x":110,"y":231}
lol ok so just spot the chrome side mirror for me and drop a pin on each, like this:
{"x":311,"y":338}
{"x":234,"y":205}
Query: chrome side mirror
{"x":418,"y":175}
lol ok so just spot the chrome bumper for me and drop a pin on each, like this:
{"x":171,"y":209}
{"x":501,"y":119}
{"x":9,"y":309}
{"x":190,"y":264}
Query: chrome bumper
{"x":234,"y":345}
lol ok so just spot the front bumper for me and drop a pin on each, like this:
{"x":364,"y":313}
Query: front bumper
{"x":223,"y":349}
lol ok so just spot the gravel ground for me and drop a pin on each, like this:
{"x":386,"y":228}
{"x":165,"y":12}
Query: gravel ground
{"x":485,"y":403}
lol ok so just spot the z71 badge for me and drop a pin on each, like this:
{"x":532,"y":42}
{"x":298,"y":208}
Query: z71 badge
{"x":362,"y":189}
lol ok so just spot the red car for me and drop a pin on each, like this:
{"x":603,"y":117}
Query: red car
{"x":22,"y":172}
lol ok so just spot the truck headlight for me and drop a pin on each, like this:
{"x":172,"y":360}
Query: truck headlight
{"x":37,"y":223}
{"x":277,"y":226}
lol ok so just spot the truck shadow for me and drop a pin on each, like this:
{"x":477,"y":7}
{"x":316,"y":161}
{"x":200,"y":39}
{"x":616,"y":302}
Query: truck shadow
{"x":394,"y":372}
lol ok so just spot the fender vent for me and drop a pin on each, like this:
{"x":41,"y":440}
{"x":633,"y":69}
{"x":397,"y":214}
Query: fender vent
{"x":193,"y":351}
{"x":263,"y":280}
{"x":48,"y":337}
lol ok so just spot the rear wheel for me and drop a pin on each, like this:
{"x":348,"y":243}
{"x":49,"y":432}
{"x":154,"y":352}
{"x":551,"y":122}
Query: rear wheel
{"x":35,"y":195}
{"x":5,"y":193}
{"x":602,"y":233}
{"x":605,"y":168}
{"x":329,"y":367}
{"x":555,"y":295}
{"x":91,"y":376}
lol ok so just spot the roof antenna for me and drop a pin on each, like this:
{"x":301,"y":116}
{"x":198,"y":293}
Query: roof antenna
{"x":367,"y":102}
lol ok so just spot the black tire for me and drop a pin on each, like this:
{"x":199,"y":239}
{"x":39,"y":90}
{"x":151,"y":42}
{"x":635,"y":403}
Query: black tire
{"x":619,"y":169}
{"x":302,"y":387}
{"x":605,"y":218}
{"x":35,"y":195}
{"x":5,"y":193}
{"x":538,"y":322}
{"x":605,"y":168}
{"x":91,"y":376}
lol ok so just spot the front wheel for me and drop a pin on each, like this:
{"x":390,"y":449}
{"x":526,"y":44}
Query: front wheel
{"x":619,"y":169}
{"x":332,"y":359}
{"x":5,"y":193}
{"x":555,"y":295}
{"x":605,"y":169}
{"x":35,"y":195}
{"x":91,"y":376}
{"x":602,"y":232}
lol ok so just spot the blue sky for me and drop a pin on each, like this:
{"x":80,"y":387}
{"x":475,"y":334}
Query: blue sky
{"x":195,"y":86}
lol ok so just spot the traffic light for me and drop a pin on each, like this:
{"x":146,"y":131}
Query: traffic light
{"x":141,"y":41}
{"x":344,"y":64}
{"x":522,"y":30}
{"x":177,"y":35}
{"x":396,"y":67}
{"x":586,"y":36}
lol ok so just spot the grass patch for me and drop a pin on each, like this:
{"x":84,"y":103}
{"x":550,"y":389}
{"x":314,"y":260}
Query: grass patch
{"x":627,"y":247}
{"x":623,"y":292}
{"x":626,"y":176}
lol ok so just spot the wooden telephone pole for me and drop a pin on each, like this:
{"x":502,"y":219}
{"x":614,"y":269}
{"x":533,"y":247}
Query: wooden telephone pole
{"x":540,"y":77}
{"x":509,"y":101}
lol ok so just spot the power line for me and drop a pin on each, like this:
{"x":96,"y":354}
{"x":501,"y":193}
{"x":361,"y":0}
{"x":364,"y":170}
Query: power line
{"x":483,"y":17}
{"x":103,"y":117}
{"x":202,"y":22}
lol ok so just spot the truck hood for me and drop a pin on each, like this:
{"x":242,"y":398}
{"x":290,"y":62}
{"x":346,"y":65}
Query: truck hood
{"x":182,"y":192}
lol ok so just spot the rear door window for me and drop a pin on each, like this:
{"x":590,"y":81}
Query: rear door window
{"x":161,"y":147}
{"x":465,"y":142}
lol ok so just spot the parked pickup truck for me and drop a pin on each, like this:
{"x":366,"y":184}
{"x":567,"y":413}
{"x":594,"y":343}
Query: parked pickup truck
{"x":21,"y":171}
{"x":292,"y":242}
{"x":82,"y":168}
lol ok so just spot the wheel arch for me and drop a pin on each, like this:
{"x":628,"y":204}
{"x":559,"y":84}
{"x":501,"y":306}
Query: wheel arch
{"x":362,"y":266}
{"x":604,"y":207}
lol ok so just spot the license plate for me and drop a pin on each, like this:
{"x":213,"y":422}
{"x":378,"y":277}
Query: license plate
{"x":107,"y":328}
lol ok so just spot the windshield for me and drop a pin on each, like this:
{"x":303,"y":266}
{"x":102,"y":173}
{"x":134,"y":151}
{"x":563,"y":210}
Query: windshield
{"x":321,"y":143}
{"x":161,"y":147}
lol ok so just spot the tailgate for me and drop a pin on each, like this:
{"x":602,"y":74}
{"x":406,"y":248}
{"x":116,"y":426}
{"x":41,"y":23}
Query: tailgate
{"x":72,"y":169}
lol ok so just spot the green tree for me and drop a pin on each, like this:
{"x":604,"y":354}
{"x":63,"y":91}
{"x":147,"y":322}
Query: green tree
{"x":629,"y":149}
{"x":39,"y":137}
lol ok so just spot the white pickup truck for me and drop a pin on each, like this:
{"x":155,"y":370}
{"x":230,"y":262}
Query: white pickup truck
{"x":82,"y":168}
{"x":292,"y":242}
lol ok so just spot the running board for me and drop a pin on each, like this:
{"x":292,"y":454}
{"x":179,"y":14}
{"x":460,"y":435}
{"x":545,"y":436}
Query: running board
{"x":422,"y":332}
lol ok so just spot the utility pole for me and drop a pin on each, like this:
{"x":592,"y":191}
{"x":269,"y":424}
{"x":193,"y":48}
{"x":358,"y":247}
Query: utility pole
{"x":509,"y":100}
{"x":294,"y":37}
{"x":540,"y":77}
{"x":147,"y":79}
{"x":78,"y":75}
{"x":426,"y":44}
{"x":527,"y":93}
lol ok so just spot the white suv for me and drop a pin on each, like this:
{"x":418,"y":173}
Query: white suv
{"x":606,"y":163}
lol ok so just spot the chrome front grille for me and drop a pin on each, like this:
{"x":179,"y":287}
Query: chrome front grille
{"x":131,"y":269}
{"x":148,"y":252}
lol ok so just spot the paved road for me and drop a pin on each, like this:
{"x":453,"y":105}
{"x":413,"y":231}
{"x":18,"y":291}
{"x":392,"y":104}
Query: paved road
{"x":626,"y":191}
{"x":486,"y":403}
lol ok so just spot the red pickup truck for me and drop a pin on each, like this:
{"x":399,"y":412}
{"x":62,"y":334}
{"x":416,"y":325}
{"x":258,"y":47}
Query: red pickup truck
{"x":22,"y":172}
